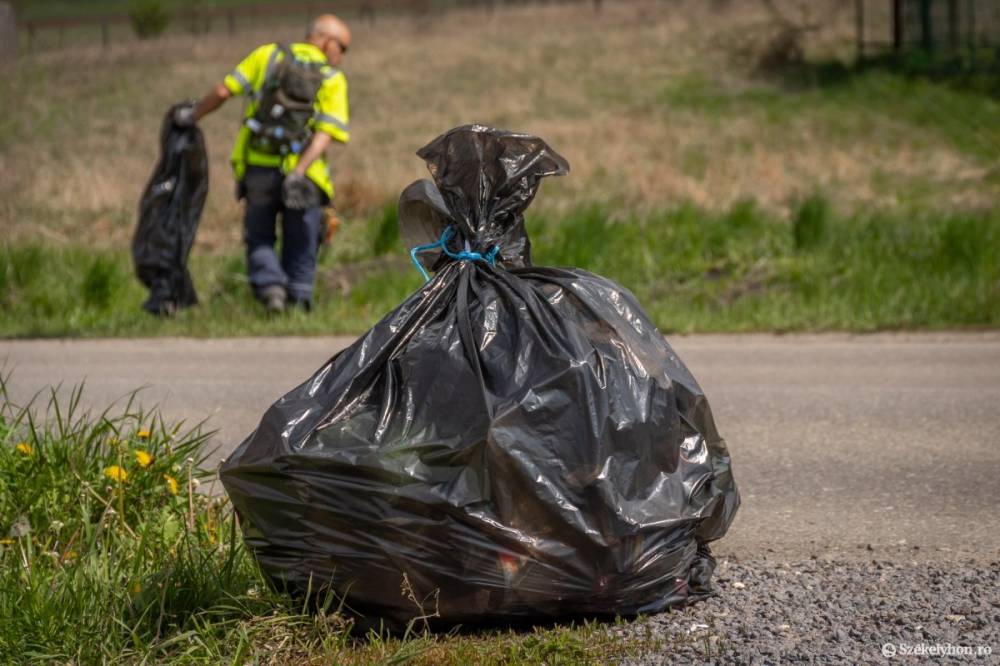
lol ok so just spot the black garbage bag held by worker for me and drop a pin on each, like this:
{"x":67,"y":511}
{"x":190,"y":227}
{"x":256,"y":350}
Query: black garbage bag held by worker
{"x":297,"y":107}
{"x":169,"y":212}
{"x":512,"y":442}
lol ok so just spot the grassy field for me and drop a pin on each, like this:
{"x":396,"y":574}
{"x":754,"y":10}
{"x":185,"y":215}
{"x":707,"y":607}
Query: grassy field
{"x":669,"y":128}
{"x":111,"y":555}
{"x":742,"y":269}
{"x":653,"y":104}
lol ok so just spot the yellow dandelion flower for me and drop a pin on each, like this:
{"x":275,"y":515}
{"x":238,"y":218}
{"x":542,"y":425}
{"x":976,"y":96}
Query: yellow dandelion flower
{"x":171,"y":484}
{"x":142,"y":434}
{"x":143,"y":458}
{"x":116,"y":473}
{"x":69,"y":555}
{"x":6,"y":542}
{"x":24,"y":448}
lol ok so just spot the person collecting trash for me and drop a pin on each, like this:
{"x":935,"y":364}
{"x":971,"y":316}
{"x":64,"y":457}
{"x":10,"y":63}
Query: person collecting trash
{"x":298,"y":107}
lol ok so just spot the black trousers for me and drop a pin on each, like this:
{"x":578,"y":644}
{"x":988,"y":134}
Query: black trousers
{"x":301,"y":231}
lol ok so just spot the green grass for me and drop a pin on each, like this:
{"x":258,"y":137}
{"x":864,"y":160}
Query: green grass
{"x":871,"y":101}
{"x":109,"y":555}
{"x":693,"y":270}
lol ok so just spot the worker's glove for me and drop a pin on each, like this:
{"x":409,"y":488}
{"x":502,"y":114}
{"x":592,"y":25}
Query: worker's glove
{"x":184,"y":116}
{"x":298,"y":192}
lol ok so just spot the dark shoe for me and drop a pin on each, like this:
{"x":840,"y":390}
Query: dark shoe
{"x":168,"y":309}
{"x":304,"y":304}
{"x":161,"y":307}
{"x":274,"y":299}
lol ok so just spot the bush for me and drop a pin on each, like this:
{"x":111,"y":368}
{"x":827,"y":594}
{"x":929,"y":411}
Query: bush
{"x":809,"y":225}
{"x":386,"y":230}
{"x":149,"y":19}
{"x":100,"y":283}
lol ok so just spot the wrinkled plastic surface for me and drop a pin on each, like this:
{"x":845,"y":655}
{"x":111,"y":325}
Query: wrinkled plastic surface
{"x":169,"y":212}
{"x":512,"y":442}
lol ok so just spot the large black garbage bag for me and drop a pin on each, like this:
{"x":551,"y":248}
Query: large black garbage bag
{"x":510,"y":442}
{"x":169,"y":213}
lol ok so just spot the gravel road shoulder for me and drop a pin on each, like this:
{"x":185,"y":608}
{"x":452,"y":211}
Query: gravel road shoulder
{"x":770,"y":611}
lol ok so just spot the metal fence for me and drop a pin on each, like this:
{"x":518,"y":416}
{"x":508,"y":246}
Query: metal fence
{"x":944,"y":26}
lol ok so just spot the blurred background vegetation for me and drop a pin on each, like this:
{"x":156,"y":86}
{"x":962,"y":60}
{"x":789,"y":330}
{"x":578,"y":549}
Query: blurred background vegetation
{"x":739,"y":165}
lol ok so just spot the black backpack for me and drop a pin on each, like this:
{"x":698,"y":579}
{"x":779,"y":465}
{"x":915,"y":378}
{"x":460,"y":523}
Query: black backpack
{"x":281,"y":124}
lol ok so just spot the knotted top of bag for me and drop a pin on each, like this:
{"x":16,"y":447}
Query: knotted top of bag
{"x":484,"y":179}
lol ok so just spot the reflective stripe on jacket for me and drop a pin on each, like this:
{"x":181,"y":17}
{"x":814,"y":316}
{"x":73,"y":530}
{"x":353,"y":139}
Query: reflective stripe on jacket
{"x":331,"y":114}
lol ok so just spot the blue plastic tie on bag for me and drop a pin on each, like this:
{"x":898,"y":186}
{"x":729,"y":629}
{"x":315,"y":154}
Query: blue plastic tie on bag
{"x":442,"y":244}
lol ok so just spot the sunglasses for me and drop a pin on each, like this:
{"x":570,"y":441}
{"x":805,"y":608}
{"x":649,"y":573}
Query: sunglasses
{"x":343,"y":47}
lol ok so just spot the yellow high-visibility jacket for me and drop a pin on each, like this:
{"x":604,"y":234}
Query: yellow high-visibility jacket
{"x":331,"y":114}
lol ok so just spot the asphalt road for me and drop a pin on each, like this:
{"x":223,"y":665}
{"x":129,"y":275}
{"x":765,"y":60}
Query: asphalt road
{"x":843,"y":446}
